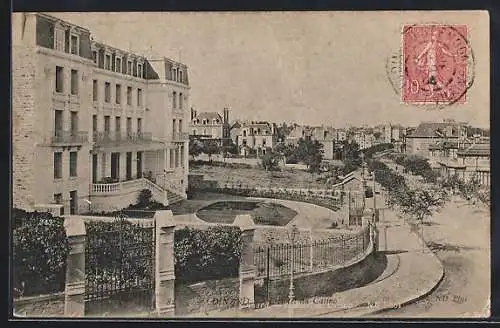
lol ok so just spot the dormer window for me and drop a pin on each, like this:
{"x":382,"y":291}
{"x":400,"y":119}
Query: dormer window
{"x":129,"y":67}
{"x":139,"y":70}
{"x":107,"y":62}
{"x":59,"y":38}
{"x":118,"y":65}
{"x":75,"y":44}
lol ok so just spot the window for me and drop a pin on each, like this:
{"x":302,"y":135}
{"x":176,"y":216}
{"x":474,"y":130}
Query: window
{"x":74,"y":123}
{"x":194,"y":132}
{"x":94,"y":56}
{"x":58,"y":198}
{"x":59,"y":39}
{"x":75,"y":49}
{"x":107,"y":62}
{"x":107,"y":92}
{"x":94,"y":125}
{"x":73,"y":158}
{"x":118,"y":94}
{"x":139,"y":70}
{"x":180,"y":76}
{"x":59,"y":79}
{"x":129,"y":95}
{"x":74,"y":82}
{"x":118,"y":65}
{"x":118,"y":127}
{"x":107,"y":121}
{"x":173,"y":127}
{"x":58,"y":122}
{"x":172,"y":158}
{"x":57,"y":165}
{"x":129,"y":67}
{"x":180,"y":126}
{"x":139,"y":125}
{"x":174,"y":100}
{"x":129,"y":125}
{"x":180,"y":101}
{"x":95,"y":90}
{"x":139,"y":97}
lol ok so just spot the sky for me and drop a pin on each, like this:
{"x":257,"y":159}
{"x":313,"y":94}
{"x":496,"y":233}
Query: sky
{"x":306,"y":67}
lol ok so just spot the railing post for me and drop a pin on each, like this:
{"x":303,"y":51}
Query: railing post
{"x":247,"y":271}
{"x":74,"y":298}
{"x":164,"y":264}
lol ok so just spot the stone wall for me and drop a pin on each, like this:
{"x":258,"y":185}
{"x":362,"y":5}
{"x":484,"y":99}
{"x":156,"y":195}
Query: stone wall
{"x":209,"y":295}
{"x":40,"y":306}
{"x":322,"y":284}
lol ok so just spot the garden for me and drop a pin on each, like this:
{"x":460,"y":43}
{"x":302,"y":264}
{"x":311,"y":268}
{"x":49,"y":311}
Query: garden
{"x":263,"y":213}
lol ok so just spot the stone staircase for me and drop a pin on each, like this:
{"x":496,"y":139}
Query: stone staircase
{"x":173,"y":197}
{"x":158,"y":193}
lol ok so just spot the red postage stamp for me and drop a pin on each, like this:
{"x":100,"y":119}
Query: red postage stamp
{"x":435,"y":59}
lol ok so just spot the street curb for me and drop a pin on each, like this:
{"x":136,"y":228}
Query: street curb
{"x":416,"y":298}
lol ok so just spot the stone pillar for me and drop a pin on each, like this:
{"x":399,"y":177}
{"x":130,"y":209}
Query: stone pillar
{"x":123,"y":166}
{"x":74,"y":300}
{"x":247,"y":268}
{"x":164,"y":264}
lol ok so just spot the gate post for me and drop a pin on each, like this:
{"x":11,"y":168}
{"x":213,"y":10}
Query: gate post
{"x":247,"y":271}
{"x":164,"y":264}
{"x":74,"y":292}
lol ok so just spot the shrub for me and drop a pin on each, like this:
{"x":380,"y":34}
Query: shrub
{"x":40,"y":249}
{"x":144,"y":198}
{"x":207,"y":254}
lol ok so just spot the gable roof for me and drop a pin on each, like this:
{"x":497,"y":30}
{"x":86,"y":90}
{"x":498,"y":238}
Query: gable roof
{"x":433,"y":129}
{"x":210,"y":116}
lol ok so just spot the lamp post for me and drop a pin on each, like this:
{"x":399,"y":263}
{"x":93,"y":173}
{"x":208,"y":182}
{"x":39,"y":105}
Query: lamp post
{"x":292,"y":234}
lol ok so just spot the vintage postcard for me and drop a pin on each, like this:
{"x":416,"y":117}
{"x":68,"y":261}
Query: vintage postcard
{"x":251,"y":165}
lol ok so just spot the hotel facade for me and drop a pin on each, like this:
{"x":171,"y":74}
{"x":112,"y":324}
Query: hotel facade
{"x":93,"y":125}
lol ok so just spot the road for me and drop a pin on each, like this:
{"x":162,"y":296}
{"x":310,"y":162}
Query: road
{"x":459,"y":235}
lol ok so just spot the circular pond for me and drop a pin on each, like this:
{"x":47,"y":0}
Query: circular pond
{"x":262,"y":212}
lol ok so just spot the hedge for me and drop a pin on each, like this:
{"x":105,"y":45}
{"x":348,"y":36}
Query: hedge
{"x":207,"y":254}
{"x":40,"y":250}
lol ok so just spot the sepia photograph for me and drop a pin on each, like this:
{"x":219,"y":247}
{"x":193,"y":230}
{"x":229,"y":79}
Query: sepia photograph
{"x":227,"y":165}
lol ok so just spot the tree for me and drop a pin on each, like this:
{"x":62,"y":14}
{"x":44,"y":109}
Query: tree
{"x":211,"y":147}
{"x":270,"y":161}
{"x":310,"y":153}
{"x":351,"y":156}
{"x":285,"y":150}
{"x":421,"y":203}
{"x":195,"y":148}
{"x":470,"y":188}
{"x":230,"y":148}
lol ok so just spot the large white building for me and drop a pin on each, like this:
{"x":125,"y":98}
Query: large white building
{"x":92,"y":122}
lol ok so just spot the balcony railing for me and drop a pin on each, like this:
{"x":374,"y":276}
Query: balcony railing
{"x":180,"y":136}
{"x":69,"y":137}
{"x":103,"y":137}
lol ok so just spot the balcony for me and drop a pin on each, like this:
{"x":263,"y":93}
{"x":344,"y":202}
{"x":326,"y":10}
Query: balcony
{"x":108,"y":137}
{"x":180,"y":136}
{"x":60,"y":137}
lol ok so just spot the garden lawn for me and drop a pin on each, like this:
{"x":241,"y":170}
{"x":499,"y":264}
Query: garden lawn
{"x":287,"y":178}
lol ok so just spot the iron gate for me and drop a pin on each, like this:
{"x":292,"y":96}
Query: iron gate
{"x":119,"y":265}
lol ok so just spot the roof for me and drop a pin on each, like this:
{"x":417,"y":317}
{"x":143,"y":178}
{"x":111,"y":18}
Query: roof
{"x":433,"y":129}
{"x":479,"y":149}
{"x":209,"y":116}
{"x":443,"y":145}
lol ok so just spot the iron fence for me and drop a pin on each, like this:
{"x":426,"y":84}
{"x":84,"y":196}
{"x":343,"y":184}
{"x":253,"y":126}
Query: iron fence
{"x":275,"y":260}
{"x":119,"y":266}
